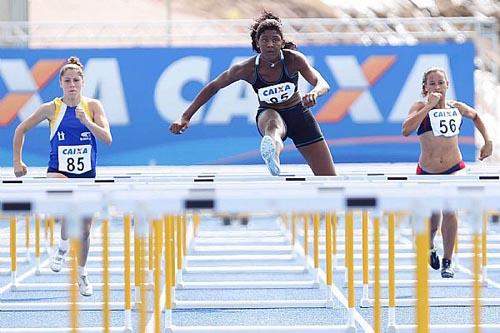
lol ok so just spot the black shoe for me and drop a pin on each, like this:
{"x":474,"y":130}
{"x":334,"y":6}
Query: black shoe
{"x":244,"y":221}
{"x":446,"y":270}
{"x":226,"y":220}
{"x":434,"y":258}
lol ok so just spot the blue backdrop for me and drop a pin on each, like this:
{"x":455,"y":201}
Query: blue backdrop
{"x":143,"y":90}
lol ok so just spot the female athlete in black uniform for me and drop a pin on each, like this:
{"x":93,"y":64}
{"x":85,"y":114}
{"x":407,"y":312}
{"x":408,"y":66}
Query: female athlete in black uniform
{"x":282,"y":112}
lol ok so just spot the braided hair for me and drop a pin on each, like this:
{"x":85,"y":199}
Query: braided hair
{"x":268,"y":21}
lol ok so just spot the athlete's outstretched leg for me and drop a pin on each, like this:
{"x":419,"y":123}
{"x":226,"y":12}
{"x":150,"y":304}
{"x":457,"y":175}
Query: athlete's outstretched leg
{"x":273,"y":130}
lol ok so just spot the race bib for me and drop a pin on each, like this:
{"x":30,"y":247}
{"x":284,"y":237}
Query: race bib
{"x":445,"y":122}
{"x":277,"y":93}
{"x":75,"y":159}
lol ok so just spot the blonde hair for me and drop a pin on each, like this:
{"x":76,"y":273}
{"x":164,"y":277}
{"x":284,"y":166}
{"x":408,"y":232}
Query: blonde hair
{"x":72,"y":63}
{"x":426,"y":74}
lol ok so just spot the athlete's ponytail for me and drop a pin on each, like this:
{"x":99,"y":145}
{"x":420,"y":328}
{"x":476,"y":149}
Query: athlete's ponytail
{"x":72,"y":63}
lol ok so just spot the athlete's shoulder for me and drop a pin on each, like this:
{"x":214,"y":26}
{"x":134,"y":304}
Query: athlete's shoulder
{"x":91,"y":102}
{"x":292,"y":54}
{"x":244,"y":65}
{"x":49,"y":107}
{"x":243,"y":69}
{"x":455,"y":104}
{"x":419,"y":104}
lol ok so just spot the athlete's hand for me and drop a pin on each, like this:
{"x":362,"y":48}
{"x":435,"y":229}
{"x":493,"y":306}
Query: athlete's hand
{"x":309,"y":99}
{"x":81,"y":115}
{"x":179,"y":126}
{"x":486,"y":150}
{"x":433,"y":99}
{"x":20,"y":169}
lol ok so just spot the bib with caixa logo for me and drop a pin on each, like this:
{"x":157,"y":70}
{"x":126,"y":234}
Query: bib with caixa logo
{"x":445,"y":122}
{"x":75,"y":159}
{"x":277,"y":93}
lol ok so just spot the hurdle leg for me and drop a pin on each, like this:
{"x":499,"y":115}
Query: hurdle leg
{"x":179,"y":248}
{"x":349,"y":250}
{"x":422,"y":292}
{"x":377,"y":326}
{"x":328,"y":253}
{"x":364,"y":230}
{"x":392,"y":268}
{"x":306,"y":239}
{"x":484,"y":252}
{"x":316,"y":222}
{"x":158,"y":234}
{"x":27,"y":221}
{"x":126,"y":252}
{"x":169,"y":282}
{"x":37,"y":243}
{"x":13,"y":252}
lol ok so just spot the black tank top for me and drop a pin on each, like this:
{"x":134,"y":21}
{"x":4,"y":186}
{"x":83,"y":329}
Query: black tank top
{"x":278,"y":92}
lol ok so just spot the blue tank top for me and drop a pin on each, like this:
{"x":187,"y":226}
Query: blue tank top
{"x":276,"y":92}
{"x":73,"y":147}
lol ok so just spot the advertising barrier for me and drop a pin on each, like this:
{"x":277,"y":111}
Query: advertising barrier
{"x":143,"y":90}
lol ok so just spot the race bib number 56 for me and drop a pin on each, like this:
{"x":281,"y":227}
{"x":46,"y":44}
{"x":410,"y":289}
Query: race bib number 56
{"x":277,"y":93}
{"x":445,"y":122}
{"x":75,"y":159}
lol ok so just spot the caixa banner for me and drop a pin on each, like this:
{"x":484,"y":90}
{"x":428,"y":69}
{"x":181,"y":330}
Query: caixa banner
{"x":143,"y":90}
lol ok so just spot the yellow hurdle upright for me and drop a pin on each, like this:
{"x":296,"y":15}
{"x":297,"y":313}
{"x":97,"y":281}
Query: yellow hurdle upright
{"x":422,"y":306}
{"x":37,"y":242}
{"x":392,"y":268}
{"x":74,"y":250}
{"x":158,"y":236}
{"x":349,"y":250}
{"x":377,"y":326}
{"x":105,"y":275}
{"x":316,"y":222}
{"x":364,"y":235}
{"x":306,"y":235}
{"x":13,"y":251}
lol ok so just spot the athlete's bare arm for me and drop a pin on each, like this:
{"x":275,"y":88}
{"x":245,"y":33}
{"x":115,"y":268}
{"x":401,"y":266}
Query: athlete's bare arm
{"x":240,"y":71}
{"x":417,"y":113}
{"x":99,"y":125}
{"x":469,"y":112}
{"x":320,"y":86}
{"x":44,"y":112}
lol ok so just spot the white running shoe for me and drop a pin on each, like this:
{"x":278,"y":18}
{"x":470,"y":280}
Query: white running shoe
{"x":268,"y":153}
{"x":58,"y":260}
{"x":85,"y":286}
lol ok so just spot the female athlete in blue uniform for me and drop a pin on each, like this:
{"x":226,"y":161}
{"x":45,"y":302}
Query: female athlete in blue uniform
{"x":438,"y":121}
{"x":75,"y":122}
{"x":282,"y":112}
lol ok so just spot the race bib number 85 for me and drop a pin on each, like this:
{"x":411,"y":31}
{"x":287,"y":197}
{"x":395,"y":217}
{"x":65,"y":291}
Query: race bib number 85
{"x":75,"y":159}
{"x":445,"y":122}
{"x":277,"y":93}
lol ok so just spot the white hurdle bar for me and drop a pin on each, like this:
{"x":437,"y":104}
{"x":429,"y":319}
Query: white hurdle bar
{"x":157,"y":202}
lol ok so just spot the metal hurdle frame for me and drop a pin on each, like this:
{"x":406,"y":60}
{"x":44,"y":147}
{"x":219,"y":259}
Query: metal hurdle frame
{"x":159,"y":202}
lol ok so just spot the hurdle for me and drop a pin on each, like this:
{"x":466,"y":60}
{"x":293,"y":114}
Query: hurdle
{"x":225,"y":200}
